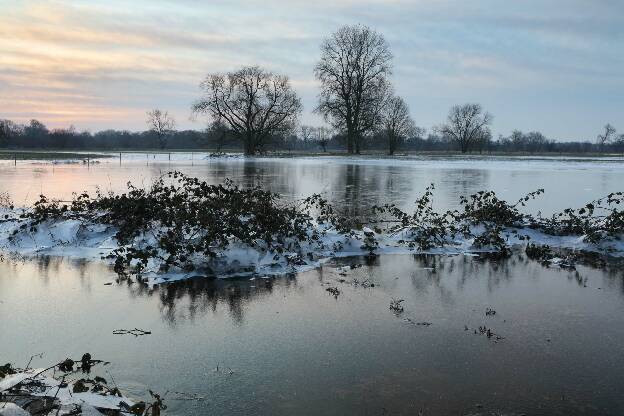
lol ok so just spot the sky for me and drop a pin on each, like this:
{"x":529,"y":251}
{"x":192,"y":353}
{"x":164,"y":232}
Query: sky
{"x":554,"y":66}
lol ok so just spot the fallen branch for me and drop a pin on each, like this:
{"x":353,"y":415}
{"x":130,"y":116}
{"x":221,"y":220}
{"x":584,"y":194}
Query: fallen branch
{"x":136,"y":332}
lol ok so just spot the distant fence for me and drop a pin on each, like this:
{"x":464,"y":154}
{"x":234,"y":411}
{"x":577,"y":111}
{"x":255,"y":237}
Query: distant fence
{"x":88,"y":159}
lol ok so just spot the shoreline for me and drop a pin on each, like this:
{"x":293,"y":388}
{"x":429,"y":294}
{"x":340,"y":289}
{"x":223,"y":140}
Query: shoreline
{"x":47,"y":154}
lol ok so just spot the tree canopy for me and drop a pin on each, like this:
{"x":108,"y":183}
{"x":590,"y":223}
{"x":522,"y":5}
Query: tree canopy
{"x":353,"y":70}
{"x":255,"y":104}
{"x":466,"y":125}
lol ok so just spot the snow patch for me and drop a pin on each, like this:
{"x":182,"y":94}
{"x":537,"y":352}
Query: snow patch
{"x":83,"y":240}
{"x":35,"y":383}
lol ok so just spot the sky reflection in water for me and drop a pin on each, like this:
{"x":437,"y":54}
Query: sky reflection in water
{"x":295,"y":349}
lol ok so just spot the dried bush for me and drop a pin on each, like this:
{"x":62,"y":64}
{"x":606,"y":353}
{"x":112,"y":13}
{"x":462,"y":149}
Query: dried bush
{"x":181,"y":221}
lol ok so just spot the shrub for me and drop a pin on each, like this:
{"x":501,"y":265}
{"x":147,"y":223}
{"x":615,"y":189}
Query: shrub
{"x":181,"y":221}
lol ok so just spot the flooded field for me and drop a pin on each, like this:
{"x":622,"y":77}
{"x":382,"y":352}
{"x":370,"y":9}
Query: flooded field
{"x":354,"y":184}
{"x":290,"y":346}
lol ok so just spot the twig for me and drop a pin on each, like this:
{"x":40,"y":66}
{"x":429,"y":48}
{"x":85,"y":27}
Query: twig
{"x":136,"y":332}
{"x":40,"y":355}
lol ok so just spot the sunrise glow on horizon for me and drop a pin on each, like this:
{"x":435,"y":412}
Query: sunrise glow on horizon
{"x":103,"y":64}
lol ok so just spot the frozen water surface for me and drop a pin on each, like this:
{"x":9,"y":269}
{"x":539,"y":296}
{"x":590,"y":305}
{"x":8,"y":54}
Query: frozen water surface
{"x":288,"y":346}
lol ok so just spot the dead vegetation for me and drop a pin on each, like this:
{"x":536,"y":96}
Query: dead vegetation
{"x":396,"y":306}
{"x":69,"y":388}
{"x":488,"y":332}
{"x":136,"y":332}
{"x":184,"y":225}
{"x":490,"y":221}
{"x":334,"y":291}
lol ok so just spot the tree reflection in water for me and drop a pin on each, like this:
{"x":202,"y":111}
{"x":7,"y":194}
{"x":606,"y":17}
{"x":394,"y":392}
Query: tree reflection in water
{"x":193,"y":298}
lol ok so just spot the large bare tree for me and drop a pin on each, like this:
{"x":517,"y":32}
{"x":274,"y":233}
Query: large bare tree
{"x":161,"y":124}
{"x":466,"y":125}
{"x":255,"y":104}
{"x":397,"y":123}
{"x":353,"y":70}
{"x":607,"y":136}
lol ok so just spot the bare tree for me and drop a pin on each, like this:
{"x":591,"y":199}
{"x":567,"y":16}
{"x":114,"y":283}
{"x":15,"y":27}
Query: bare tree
{"x":253,"y":103}
{"x":619,"y":143}
{"x":6,"y":131}
{"x":323,"y":134}
{"x":217,"y":133}
{"x":484,"y":140}
{"x":517,"y":139}
{"x":466,"y":125}
{"x":307,"y":133}
{"x":353,"y":71}
{"x":162,"y":124}
{"x":607,"y":136}
{"x":397,"y":123}
{"x":316,"y":135}
{"x":36,"y":130}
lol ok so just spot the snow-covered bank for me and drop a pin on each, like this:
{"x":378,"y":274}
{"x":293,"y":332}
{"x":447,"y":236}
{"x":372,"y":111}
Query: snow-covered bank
{"x":37,"y":383}
{"x":182,"y":227}
{"x":67,"y":388}
{"x":94,"y":241}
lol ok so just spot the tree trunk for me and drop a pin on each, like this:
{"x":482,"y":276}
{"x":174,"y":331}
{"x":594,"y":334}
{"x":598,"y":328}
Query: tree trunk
{"x":350,"y":139}
{"x":250,"y":149}
{"x":463,"y":145}
{"x":391,"y":145}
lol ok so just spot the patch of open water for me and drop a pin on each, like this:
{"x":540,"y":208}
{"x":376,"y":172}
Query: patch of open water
{"x":288,"y":346}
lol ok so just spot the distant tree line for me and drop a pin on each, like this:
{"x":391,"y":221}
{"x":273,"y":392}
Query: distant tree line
{"x":254,"y":110}
{"x":35,"y":135}
{"x":216,"y":138}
